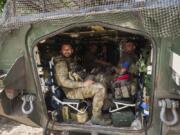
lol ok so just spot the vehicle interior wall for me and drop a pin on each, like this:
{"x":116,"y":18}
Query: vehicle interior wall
{"x":124,"y":111}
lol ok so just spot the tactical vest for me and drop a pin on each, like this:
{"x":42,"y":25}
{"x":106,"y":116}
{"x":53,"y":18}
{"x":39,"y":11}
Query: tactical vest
{"x":122,"y":84}
{"x":76,"y":71}
{"x":131,"y":59}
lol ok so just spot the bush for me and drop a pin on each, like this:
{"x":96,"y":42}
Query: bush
{"x":2,"y":2}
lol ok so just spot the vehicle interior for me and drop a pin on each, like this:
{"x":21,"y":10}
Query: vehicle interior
{"x":132,"y":111}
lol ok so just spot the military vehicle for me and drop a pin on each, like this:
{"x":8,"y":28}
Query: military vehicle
{"x":31,"y":33}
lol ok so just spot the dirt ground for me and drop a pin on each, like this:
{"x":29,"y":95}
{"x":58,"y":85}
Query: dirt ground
{"x":8,"y":127}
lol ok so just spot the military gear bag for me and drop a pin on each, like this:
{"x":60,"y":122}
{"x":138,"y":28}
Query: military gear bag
{"x":123,"y":118}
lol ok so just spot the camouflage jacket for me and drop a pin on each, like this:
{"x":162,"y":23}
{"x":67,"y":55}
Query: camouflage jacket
{"x":66,"y":73}
{"x":131,"y":59}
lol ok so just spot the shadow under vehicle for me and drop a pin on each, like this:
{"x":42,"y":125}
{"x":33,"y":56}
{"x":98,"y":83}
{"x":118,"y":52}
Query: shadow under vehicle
{"x":31,"y":32}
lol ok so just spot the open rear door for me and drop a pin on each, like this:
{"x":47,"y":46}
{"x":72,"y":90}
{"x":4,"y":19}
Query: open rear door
{"x":15,"y":103}
{"x":169,"y":104}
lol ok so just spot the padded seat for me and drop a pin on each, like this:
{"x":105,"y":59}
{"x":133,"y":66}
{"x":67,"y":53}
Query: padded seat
{"x":58,"y":94}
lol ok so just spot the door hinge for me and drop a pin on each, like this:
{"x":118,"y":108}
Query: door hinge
{"x":169,"y":104}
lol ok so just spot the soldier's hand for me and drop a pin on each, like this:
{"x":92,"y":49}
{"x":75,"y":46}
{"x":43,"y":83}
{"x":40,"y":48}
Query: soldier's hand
{"x":114,"y":69}
{"x":120,"y":70}
{"x":87,"y":83}
{"x":123,"y":70}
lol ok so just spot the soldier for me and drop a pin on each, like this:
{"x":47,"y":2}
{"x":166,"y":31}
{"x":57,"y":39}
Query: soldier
{"x":126,"y":70}
{"x":74,"y":86}
{"x":99,"y":69}
{"x":128,"y":58}
{"x":92,"y":62}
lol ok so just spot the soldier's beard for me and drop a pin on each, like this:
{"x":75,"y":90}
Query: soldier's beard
{"x":67,"y":55}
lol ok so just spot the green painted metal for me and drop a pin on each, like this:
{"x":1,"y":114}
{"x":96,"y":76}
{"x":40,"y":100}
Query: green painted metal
{"x":21,"y":42}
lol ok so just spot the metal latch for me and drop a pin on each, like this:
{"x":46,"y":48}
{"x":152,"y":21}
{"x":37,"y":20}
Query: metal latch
{"x":169,"y":104}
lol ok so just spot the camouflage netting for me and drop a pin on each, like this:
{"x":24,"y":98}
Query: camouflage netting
{"x":160,"y":18}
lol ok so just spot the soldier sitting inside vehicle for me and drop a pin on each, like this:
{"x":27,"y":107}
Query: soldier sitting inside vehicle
{"x":91,"y":61}
{"x":99,"y":69}
{"x":124,"y":83}
{"x":74,"y":85}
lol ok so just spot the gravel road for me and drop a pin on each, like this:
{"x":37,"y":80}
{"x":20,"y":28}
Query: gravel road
{"x":8,"y":127}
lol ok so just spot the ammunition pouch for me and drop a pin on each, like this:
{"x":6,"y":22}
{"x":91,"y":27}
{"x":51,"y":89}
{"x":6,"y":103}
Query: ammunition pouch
{"x":121,"y":87}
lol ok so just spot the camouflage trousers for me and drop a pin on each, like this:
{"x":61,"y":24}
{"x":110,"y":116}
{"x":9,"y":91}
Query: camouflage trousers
{"x":102,"y":78}
{"x":96,"y":90}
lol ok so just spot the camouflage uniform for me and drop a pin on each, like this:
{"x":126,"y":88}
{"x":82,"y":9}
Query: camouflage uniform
{"x":72,"y":84}
{"x":132,"y":69}
{"x":98,"y":72}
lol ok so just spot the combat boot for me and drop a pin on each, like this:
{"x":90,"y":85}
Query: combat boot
{"x":100,"y":121}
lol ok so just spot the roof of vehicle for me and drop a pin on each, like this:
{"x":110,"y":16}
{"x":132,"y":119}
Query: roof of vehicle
{"x":160,"y":18}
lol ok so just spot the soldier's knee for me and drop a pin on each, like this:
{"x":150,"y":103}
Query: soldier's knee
{"x":101,"y":89}
{"x":133,"y":89}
